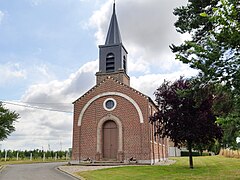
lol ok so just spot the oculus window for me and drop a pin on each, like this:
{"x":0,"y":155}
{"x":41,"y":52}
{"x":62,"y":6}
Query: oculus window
{"x":109,"y":104}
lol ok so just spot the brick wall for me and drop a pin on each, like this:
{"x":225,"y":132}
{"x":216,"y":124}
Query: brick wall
{"x":136,"y":135}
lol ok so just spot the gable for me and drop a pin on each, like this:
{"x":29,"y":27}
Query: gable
{"x":113,"y":82}
{"x":111,"y":87}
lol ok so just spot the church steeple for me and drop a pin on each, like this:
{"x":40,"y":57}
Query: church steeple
{"x":113,"y":55}
{"x":113,"y":35}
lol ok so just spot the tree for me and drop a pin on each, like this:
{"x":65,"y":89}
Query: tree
{"x":214,"y":47}
{"x":231,"y":128}
{"x":185,"y":114}
{"x":226,"y":107}
{"x":7,"y":120}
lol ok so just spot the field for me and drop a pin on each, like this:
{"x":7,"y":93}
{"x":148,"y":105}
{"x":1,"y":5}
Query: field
{"x":208,"y":167}
{"x":2,"y":162}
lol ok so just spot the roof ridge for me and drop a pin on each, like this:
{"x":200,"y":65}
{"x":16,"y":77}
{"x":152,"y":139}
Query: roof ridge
{"x":110,"y":77}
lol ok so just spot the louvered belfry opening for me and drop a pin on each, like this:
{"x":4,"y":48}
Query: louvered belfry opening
{"x":110,"y":63}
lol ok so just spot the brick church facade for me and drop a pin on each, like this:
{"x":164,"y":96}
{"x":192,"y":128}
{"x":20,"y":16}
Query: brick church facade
{"x":111,"y":120}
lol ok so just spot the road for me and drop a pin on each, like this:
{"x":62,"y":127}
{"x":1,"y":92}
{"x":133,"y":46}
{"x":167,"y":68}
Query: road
{"x":40,"y":171}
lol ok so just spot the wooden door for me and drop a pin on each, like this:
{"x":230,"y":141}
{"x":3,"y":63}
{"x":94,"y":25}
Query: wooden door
{"x":110,"y":140}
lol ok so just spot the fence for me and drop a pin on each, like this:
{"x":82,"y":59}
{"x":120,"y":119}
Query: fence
{"x":8,"y":155}
{"x":230,"y":153}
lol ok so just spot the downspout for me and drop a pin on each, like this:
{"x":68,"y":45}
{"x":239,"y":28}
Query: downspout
{"x":79,"y":147}
{"x":153,"y":144}
{"x":162,"y":149}
{"x":158,"y":149}
{"x":150,"y":132}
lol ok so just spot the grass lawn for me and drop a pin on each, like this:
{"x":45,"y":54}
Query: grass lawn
{"x":29,"y":162}
{"x":207,"y":167}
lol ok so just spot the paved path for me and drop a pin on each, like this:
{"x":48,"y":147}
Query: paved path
{"x":73,"y":169}
{"x":40,"y":171}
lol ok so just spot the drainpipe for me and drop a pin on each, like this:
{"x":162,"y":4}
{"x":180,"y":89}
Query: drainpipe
{"x":79,"y":145}
{"x":162,"y":149}
{"x":153,"y":144}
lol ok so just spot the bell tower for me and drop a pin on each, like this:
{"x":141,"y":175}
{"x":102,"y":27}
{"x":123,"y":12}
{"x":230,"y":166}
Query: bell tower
{"x":113,"y":55}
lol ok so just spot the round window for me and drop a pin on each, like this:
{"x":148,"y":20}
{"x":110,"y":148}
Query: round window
{"x":109,"y":104}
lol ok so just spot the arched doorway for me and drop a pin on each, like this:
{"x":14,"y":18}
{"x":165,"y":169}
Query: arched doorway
{"x":110,"y":140}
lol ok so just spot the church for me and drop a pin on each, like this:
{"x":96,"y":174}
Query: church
{"x":111,"y":120}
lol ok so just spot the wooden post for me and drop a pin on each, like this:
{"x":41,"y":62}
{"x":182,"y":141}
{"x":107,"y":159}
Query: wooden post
{"x":31,"y":157}
{"x":43,"y":156}
{"x":6,"y":155}
{"x":17,"y":156}
{"x":66,"y":155}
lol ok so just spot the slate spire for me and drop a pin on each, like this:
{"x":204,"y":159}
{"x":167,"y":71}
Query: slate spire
{"x":113,"y":55}
{"x":113,"y":35}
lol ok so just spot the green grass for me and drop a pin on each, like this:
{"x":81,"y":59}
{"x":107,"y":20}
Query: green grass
{"x":29,"y":162}
{"x":212,"y":167}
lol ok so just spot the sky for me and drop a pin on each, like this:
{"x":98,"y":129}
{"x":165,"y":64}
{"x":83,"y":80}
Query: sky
{"x":49,"y":57}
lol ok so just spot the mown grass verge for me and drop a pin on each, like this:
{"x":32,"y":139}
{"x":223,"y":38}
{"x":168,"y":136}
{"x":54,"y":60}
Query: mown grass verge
{"x":29,"y":161}
{"x":212,"y":167}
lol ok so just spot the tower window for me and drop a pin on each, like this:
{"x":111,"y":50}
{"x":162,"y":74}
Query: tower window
{"x":110,"y":63}
{"x":124,"y":63}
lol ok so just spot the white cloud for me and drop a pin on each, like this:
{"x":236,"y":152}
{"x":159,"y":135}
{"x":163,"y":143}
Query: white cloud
{"x":138,"y":65}
{"x":35,"y":2}
{"x":148,"y":84}
{"x":36,"y":127}
{"x":1,"y":16}
{"x":63,"y":91}
{"x":147,"y":29}
{"x":15,"y":73}
{"x":10,"y":72}
{"x":99,"y":20}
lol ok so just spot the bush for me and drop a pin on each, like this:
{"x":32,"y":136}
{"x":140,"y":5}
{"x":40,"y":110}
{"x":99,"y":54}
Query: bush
{"x":194,"y":153}
{"x":186,"y":153}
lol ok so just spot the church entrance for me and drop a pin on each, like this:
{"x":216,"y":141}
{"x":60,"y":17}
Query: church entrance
{"x":110,"y":140}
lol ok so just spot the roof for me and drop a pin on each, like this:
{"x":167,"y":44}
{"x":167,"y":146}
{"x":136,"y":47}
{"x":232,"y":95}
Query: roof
{"x":113,"y":35}
{"x":109,"y":77}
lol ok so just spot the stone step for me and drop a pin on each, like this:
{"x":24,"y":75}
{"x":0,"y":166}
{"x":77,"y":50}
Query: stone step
{"x":105,"y":164}
{"x":108,"y":162}
{"x":97,"y":163}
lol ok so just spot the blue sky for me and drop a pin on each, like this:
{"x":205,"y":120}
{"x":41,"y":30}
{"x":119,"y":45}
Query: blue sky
{"x":49,"y":57}
{"x":44,"y":34}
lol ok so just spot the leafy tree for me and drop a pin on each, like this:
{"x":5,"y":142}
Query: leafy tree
{"x":201,"y":147}
{"x":215,"y":147}
{"x":231,"y":128}
{"x":7,"y":119}
{"x":185,"y":114}
{"x":226,"y":107}
{"x":214,"y":47}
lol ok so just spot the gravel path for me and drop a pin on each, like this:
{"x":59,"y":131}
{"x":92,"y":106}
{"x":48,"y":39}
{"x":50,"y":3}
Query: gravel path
{"x":73,"y":169}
